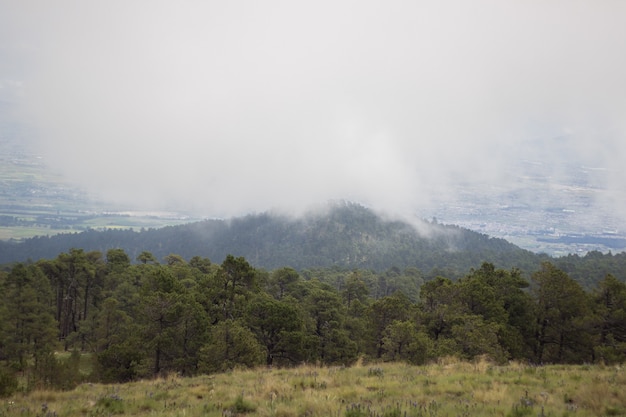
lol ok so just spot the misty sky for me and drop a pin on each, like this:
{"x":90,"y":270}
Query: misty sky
{"x":226,"y":107}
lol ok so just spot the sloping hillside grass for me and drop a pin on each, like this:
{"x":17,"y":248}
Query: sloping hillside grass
{"x":447,"y":388}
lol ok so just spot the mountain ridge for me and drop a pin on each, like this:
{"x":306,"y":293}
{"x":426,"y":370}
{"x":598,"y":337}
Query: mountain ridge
{"x":344,"y":235}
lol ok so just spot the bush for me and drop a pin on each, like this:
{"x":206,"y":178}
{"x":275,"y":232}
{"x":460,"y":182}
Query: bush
{"x":8,"y":382}
{"x":611,"y":354}
{"x":119,"y":363}
{"x":67,"y":372}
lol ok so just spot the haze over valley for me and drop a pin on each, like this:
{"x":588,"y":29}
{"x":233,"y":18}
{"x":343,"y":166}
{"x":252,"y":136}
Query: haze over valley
{"x":535,"y":212}
{"x":504,"y":119}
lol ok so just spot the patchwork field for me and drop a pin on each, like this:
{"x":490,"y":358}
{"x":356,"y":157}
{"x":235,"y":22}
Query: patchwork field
{"x":35,"y":201}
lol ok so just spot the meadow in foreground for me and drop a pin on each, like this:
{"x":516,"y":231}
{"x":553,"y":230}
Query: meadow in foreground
{"x":446,"y":388}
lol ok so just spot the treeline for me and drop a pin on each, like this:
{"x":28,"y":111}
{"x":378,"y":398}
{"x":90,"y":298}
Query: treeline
{"x":57,"y":222}
{"x":140,"y":320}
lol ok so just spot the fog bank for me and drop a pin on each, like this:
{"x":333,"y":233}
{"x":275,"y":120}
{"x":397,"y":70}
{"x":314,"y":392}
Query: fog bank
{"x":223,"y":108}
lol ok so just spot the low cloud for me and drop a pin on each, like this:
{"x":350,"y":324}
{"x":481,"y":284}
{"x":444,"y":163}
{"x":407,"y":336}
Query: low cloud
{"x":222,"y":108}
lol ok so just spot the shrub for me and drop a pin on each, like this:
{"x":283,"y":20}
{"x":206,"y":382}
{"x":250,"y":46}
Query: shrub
{"x":519,"y":410}
{"x":356,"y":410}
{"x":393,"y":412}
{"x":119,"y":363}
{"x":112,"y":404}
{"x":241,"y":406}
{"x":8,"y":382}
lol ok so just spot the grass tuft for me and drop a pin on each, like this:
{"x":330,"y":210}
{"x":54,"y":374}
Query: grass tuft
{"x":242,"y":406}
{"x":111,"y":404}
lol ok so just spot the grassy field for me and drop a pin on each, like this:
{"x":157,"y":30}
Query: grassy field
{"x":448,"y":388}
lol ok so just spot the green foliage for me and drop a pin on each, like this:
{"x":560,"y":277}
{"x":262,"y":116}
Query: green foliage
{"x":382,"y":313}
{"x":519,"y":410}
{"x":404,"y":341}
{"x":236,"y":280}
{"x":590,"y":269}
{"x":68,"y":374}
{"x":326,"y":318}
{"x":611,"y":352}
{"x":28,"y":326}
{"x":355,"y":290}
{"x":476,"y":337}
{"x":282,"y":281}
{"x":57,"y":371}
{"x":610,"y":319}
{"x":146,"y":257}
{"x":8,"y":382}
{"x":117,"y":260}
{"x":562,"y":312}
{"x":231,"y":344}
{"x":118,"y":363}
{"x":393,"y":412}
{"x":110,"y":404}
{"x":149,"y":319}
{"x":356,"y":410}
{"x":278,"y":326}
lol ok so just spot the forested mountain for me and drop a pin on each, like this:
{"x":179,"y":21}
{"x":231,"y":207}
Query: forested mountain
{"x":345,"y":235}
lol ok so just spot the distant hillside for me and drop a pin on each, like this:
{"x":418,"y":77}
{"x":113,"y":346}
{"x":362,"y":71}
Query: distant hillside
{"x":346,"y":235}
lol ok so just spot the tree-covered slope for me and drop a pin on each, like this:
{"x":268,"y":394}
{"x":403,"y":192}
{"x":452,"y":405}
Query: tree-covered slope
{"x":345,"y":235}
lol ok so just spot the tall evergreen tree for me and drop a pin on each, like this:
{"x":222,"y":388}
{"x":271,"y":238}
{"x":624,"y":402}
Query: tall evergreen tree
{"x":562,"y":315}
{"x":29,"y":328}
{"x":279,"y":327}
{"x":610,"y":313}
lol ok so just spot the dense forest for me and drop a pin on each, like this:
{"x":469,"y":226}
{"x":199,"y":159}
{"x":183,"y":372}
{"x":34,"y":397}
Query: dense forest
{"x":139,"y":318}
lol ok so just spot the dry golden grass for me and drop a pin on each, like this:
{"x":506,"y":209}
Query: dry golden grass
{"x":446,"y":388}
